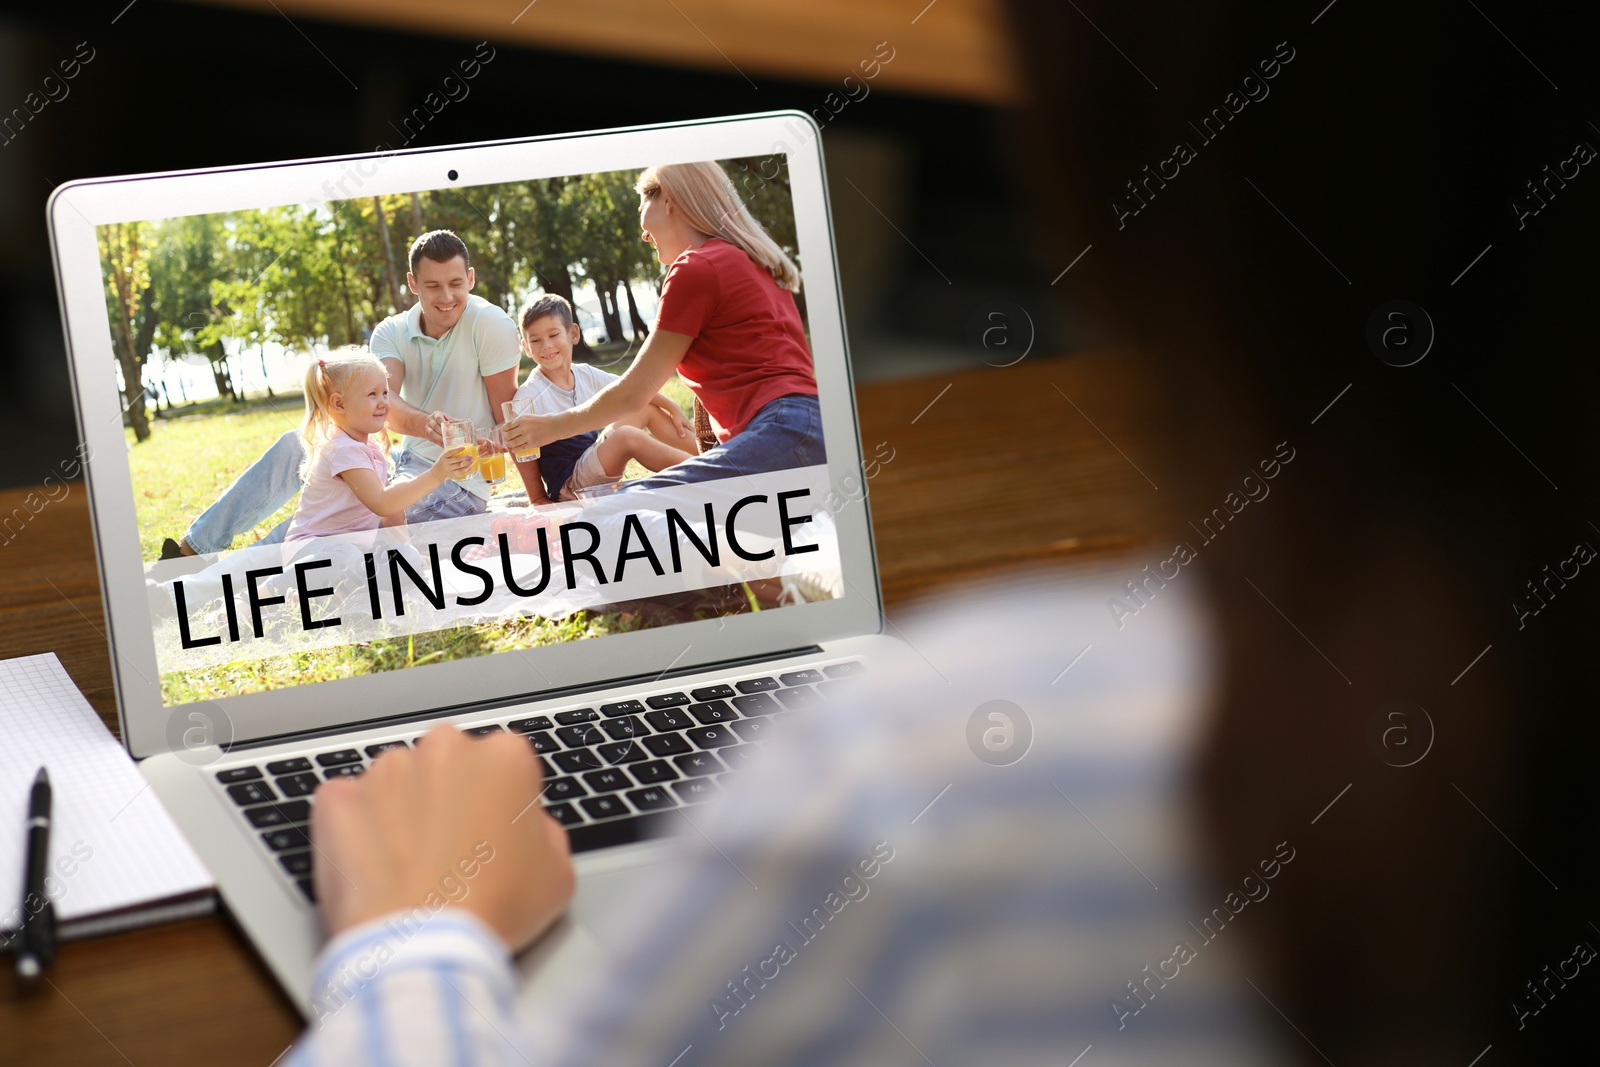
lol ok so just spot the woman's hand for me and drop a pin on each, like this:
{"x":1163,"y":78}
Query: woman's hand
{"x":454,"y":820}
{"x":529,"y":431}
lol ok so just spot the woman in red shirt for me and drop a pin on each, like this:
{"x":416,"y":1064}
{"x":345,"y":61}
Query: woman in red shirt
{"x":727,"y":324}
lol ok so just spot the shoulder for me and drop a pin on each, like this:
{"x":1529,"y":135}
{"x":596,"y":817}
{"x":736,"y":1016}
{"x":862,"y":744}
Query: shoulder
{"x":341,"y":453}
{"x":594,"y":375}
{"x":698,"y":270}
{"x":396,"y":326}
{"x":489,"y":317}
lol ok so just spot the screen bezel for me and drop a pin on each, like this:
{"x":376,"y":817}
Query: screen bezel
{"x":149,"y":725}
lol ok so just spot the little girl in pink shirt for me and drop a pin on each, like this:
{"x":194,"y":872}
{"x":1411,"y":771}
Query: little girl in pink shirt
{"x":346,"y":469}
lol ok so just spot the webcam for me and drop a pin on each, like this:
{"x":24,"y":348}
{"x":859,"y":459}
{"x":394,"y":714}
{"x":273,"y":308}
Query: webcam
{"x":452,"y":175}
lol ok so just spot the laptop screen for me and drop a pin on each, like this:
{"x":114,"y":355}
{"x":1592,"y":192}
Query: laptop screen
{"x":371,"y":433}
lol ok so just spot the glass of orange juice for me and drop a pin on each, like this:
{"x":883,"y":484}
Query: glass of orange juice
{"x":463,"y":436}
{"x":510,"y":410}
{"x":492,"y":465}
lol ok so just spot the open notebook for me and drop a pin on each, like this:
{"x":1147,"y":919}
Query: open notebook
{"x":116,"y":859}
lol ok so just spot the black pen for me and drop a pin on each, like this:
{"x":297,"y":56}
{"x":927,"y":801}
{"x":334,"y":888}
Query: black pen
{"x":36,"y":940}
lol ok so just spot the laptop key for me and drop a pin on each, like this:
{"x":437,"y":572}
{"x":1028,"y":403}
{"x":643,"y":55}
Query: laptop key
{"x":334,"y":759}
{"x":298,"y":785}
{"x":652,"y":798}
{"x":608,"y":781}
{"x":669,"y":720}
{"x":348,"y":770}
{"x":238,"y":774}
{"x":384,"y":746}
{"x":657,"y":770}
{"x":844,"y":670}
{"x":289,"y":811}
{"x":577,"y":761}
{"x":542,"y":742}
{"x":751,"y":729}
{"x":306,"y":888}
{"x":289,"y":766}
{"x":800,"y":677}
{"x":251,"y":793}
{"x":757,"y":685}
{"x":485,"y":730}
{"x":564,"y":813}
{"x":603,"y":807}
{"x":580,"y":736}
{"x":739,"y":756}
{"x":626,"y":726}
{"x":801,"y":696}
{"x":621,"y":752}
{"x":622,"y":707}
{"x":697,"y":763}
{"x":711,"y":736}
{"x":286,"y":838}
{"x":573,"y":718}
{"x":666,"y":744}
{"x":667,"y":700}
{"x":757,"y":704}
{"x":296,"y":862}
{"x":713,"y":711}
{"x":527,"y":726}
{"x":714,"y":692}
{"x":563,"y":789}
{"x":695,"y":790}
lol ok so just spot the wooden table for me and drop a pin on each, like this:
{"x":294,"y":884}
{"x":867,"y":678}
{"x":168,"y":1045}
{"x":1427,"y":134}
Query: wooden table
{"x":990,"y":468}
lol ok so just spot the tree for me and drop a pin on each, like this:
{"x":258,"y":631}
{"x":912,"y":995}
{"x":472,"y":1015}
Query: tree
{"x":391,"y":282}
{"x":125,"y":258}
{"x":188,"y":255}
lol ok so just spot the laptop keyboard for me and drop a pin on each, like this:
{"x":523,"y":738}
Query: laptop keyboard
{"x":612,"y":772}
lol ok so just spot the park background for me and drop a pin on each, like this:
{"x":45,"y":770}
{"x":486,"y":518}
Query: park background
{"x":214,"y":317}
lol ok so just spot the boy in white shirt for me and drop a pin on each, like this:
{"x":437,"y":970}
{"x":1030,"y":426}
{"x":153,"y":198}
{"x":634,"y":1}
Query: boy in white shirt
{"x":556,"y":383}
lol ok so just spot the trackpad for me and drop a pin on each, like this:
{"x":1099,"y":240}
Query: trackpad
{"x":575,"y":950}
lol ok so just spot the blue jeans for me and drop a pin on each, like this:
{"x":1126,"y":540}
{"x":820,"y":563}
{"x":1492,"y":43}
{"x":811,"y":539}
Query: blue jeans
{"x":272,"y":481}
{"x":786,"y":433}
{"x":449,"y":501}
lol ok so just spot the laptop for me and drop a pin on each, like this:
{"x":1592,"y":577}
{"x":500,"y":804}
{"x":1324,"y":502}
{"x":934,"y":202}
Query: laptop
{"x":648,"y":643}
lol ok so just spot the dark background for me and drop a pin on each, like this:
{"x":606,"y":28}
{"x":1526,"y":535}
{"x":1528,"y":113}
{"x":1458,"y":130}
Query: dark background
{"x":175,"y":86}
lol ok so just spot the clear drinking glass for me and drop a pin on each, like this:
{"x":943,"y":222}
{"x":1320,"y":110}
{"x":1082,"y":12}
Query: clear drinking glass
{"x":464,"y":436}
{"x":492,"y":465}
{"x":510,"y":410}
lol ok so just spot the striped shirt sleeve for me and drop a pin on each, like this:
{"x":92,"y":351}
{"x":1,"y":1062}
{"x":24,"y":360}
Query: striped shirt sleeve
{"x":415,"y":987}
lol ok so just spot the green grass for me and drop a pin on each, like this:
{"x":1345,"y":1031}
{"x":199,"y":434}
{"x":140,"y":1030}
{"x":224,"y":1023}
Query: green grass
{"x":188,"y":461}
{"x":349,"y":661}
{"x":440,"y":646}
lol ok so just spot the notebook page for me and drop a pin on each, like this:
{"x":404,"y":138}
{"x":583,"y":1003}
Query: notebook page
{"x":112,"y":844}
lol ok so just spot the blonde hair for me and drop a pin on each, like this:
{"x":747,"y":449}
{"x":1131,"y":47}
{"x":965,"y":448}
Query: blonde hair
{"x":711,"y":205}
{"x":324,"y":377}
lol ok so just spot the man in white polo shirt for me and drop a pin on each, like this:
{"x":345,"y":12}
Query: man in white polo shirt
{"x":452,"y":355}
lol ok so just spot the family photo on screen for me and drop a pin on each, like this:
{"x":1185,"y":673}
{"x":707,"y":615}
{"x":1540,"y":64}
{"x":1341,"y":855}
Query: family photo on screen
{"x":445,"y":373}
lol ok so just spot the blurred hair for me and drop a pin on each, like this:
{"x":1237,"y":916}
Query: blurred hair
{"x":553,"y":304}
{"x":324,"y":377}
{"x":441,"y":246}
{"x":711,"y":205}
{"x":1410,"y":526}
